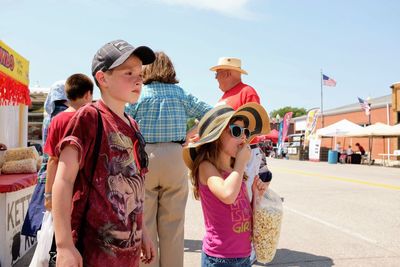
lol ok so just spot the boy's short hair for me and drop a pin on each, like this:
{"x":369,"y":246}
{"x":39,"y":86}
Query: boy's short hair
{"x":77,"y":85}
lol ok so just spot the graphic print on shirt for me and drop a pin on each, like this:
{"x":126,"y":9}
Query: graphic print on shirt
{"x":125,"y":192}
{"x":241,"y":214}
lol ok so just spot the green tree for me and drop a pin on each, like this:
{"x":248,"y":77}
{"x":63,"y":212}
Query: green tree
{"x":190,"y":123}
{"x":297,"y":112}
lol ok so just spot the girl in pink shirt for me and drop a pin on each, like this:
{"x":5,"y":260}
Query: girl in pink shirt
{"x":217,"y":163}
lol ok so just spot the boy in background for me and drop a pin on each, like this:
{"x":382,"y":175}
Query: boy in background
{"x":79,"y":91}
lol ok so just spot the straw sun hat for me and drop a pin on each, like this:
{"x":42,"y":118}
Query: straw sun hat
{"x":212,"y":124}
{"x":229,"y":63}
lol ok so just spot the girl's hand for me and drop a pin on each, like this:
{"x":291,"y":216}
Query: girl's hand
{"x":259,"y":187}
{"x":244,"y":154}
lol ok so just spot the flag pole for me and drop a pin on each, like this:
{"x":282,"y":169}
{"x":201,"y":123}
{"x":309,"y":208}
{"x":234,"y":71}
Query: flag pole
{"x":322,"y":104}
{"x":369,"y":138}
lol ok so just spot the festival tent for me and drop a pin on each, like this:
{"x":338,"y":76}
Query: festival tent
{"x":273,"y":135}
{"x":376,"y":130}
{"x":338,"y":129}
{"x":395,"y":130}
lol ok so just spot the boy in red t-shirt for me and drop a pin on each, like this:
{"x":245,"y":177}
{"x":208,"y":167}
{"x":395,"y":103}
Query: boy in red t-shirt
{"x":79,"y":91}
{"x":109,"y":228}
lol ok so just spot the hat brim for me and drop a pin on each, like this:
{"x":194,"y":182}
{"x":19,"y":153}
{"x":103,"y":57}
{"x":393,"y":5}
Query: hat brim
{"x":255,"y":118}
{"x":228,"y":67}
{"x":144,"y":53}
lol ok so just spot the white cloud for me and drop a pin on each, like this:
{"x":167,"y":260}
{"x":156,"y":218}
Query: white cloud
{"x":234,"y":8}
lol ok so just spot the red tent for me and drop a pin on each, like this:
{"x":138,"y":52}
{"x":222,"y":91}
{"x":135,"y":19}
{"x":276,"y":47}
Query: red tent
{"x":272,"y":135}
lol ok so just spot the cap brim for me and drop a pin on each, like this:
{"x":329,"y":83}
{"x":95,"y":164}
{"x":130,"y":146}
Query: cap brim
{"x":144,"y":53}
{"x":228,"y":67}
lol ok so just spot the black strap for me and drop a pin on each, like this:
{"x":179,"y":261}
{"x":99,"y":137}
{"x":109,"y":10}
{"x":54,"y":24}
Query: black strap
{"x":96,"y":152}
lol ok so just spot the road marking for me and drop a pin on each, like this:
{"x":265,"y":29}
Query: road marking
{"x":343,"y":230}
{"x":337,"y":178}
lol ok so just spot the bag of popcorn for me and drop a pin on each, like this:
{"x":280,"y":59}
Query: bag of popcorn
{"x":267,"y":221}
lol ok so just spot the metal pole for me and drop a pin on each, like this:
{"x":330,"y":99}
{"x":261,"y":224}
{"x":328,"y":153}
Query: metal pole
{"x":388,"y":123}
{"x":369,"y":138}
{"x":322,"y":104}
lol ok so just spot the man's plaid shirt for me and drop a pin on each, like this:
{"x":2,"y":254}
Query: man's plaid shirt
{"x":162,"y":112}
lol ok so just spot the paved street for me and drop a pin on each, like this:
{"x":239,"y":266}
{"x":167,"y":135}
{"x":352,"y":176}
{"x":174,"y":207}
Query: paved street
{"x":334,"y":215}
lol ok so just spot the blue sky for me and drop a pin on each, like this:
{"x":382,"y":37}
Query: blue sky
{"x":283,"y":44}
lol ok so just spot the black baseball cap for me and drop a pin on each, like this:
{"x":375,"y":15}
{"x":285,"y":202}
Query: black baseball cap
{"x":115,"y":53}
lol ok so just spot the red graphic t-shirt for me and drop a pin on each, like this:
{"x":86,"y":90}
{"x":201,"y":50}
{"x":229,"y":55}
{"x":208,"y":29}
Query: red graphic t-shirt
{"x":56,"y":131}
{"x":113,"y":223}
{"x":239,"y":95}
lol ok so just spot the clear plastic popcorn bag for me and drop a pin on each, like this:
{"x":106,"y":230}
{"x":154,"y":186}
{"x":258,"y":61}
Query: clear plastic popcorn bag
{"x":267,"y":221}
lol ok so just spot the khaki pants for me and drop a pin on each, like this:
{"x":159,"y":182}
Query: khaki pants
{"x":166,"y":186}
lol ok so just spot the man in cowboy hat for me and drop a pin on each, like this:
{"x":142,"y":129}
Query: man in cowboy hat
{"x":228,"y":73}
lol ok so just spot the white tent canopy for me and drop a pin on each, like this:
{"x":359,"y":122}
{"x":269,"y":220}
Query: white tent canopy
{"x":378,"y":130}
{"x":338,"y":129}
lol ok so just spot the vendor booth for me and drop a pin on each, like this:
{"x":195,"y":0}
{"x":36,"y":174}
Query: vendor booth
{"x":335,"y":130}
{"x":15,"y":189}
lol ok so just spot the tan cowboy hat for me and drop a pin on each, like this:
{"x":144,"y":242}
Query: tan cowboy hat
{"x":212,"y":124}
{"x":229,"y":63}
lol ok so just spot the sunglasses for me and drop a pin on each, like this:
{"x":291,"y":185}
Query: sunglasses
{"x":237,"y":131}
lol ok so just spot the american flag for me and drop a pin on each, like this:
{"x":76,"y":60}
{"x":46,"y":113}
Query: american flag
{"x":364,"y":105}
{"x":328,"y":81}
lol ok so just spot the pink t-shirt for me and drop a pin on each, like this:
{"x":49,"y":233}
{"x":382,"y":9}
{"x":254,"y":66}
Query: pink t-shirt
{"x":228,"y":227}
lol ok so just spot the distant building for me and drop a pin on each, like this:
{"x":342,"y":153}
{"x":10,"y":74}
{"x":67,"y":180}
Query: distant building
{"x":36,"y":114}
{"x":384,"y":109}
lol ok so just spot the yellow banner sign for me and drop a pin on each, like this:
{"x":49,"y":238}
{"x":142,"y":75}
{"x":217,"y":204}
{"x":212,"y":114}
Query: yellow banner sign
{"x":13,"y":64}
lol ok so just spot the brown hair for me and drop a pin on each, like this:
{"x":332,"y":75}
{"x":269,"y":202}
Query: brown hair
{"x":209,"y":152}
{"x":161,"y":70}
{"x":77,"y":85}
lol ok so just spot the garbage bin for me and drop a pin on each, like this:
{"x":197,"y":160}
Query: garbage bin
{"x":332,"y":156}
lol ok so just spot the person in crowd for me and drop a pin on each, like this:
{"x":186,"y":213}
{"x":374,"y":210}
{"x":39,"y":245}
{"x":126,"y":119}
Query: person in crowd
{"x":79,"y":90}
{"x":56,"y":102}
{"x":217,"y":162}
{"x":349,"y":152}
{"x":341,"y":156}
{"x":360,"y":149}
{"x":228,"y":73}
{"x":162,"y":112}
{"x":338,"y":147}
{"x":104,"y":191}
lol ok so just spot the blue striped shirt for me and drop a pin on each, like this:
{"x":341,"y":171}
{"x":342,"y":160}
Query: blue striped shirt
{"x":162,"y":112}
